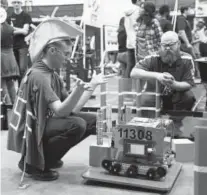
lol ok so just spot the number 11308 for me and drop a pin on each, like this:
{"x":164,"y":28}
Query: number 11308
{"x":135,"y":134}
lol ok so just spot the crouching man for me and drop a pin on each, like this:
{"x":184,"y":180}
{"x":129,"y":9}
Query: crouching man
{"x":173,"y":69}
{"x":46,"y":121}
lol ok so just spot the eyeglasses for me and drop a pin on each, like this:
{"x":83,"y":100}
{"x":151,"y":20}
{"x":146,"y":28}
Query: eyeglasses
{"x":64,"y":54}
{"x":16,"y":2}
{"x":170,"y":45}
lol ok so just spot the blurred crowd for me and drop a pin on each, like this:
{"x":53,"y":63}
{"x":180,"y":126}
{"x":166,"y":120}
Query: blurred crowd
{"x":14,"y":51}
{"x":141,"y":29}
{"x":139,"y":35}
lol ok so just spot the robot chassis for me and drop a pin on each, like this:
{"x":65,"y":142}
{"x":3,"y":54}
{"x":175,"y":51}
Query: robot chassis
{"x":138,"y":143}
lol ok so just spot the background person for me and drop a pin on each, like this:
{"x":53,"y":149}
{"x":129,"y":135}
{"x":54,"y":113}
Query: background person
{"x":149,"y":32}
{"x":122,"y":50}
{"x":130,"y":23}
{"x":21,"y":21}
{"x":184,"y":30}
{"x":165,"y":23}
{"x":9,"y":67}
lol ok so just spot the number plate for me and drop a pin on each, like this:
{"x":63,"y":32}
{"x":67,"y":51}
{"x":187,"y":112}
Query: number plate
{"x":134,"y":134}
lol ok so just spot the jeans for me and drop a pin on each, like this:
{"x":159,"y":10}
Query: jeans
{"x":122,"y":59}
{"x":22,"y":59}
{"x":9,"y":91}
{"x":130,"y":62}
{"x":179,"y":101}
{"x":62,"y":134}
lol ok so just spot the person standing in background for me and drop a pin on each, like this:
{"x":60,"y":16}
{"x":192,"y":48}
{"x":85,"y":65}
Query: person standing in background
{"x":165,"y":24}
{"x":21,"y":21}
{"x":198,"y":34}
{"x":149,"y":32}
{"x":9,"y":67}
{"x":122,"y":50}
{"x":131,"y":16}
{"x":184,"y":30}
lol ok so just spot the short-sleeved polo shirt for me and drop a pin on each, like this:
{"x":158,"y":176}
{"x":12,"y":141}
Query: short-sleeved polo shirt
{"x":182,"y":69}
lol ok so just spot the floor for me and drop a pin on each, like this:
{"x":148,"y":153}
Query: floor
{"x":75,"y":163}
{"x":70,"y":181}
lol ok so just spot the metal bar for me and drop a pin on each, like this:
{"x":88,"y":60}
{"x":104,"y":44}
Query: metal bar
{"x":120,"y":101}
{"x":163,"y":112}
{"x":158,"y":100}
{"x":103,"y":102}
{"x":138,"y":99}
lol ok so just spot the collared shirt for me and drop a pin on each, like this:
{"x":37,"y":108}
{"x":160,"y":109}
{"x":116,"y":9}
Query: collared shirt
{"x":181,"y":70}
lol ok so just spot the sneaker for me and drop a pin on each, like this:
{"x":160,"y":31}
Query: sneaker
{"x":46,"y":175}
{"x":56,"y":165}
{"x":37,"y":174}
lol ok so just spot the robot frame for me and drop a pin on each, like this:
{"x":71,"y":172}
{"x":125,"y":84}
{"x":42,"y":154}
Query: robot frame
{"x":138,"y":143}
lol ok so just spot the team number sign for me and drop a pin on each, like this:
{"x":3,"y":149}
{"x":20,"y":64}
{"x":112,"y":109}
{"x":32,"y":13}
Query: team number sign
{"x":141,"y":130}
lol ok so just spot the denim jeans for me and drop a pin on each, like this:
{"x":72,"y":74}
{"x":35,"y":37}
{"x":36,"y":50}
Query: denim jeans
{"x":62,"y":134}
{"x":131,"y":61}
{"x":122,"y":58}
{"x":22,"y":59}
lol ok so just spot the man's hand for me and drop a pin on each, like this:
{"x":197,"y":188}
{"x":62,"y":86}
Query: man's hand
{"x":83,"y":85}
{"x":98,"y":79}
{"x":166,"y":78}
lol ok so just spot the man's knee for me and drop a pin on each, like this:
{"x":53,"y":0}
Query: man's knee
{"x":189,"y":98}
{"x":80,"y":126}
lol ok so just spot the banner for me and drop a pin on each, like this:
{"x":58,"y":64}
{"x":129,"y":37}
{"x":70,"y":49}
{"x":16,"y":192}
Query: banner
{"x":110,"y":38}
{"x":92,"y":13}
{"x":201,"y":8}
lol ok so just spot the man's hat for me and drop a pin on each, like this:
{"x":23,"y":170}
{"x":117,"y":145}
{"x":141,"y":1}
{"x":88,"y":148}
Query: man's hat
{"x":48,"y":31}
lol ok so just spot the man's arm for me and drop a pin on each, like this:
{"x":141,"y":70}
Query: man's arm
{"x":95,"y":81}
{"x":23,"y":31}
{"x":84,"y":98}
{"x":143,"y":70}
{"x":66,"y":107}
{"x":181,"y":86}
{"x":183,"y":36}
{"x":188,"y":78}
{"x":143,"y":74}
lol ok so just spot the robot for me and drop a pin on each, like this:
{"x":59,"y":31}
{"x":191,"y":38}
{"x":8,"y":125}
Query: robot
{"x":140,"y":149}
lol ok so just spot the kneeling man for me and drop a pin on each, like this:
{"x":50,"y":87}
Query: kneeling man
{"x":173,"y":69}
{"x":46,"y":121}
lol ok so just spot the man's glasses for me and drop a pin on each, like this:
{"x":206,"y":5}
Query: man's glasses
{"x":16,"y":2}
{"x":170,"y":45}
{"x":64,"y":54}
